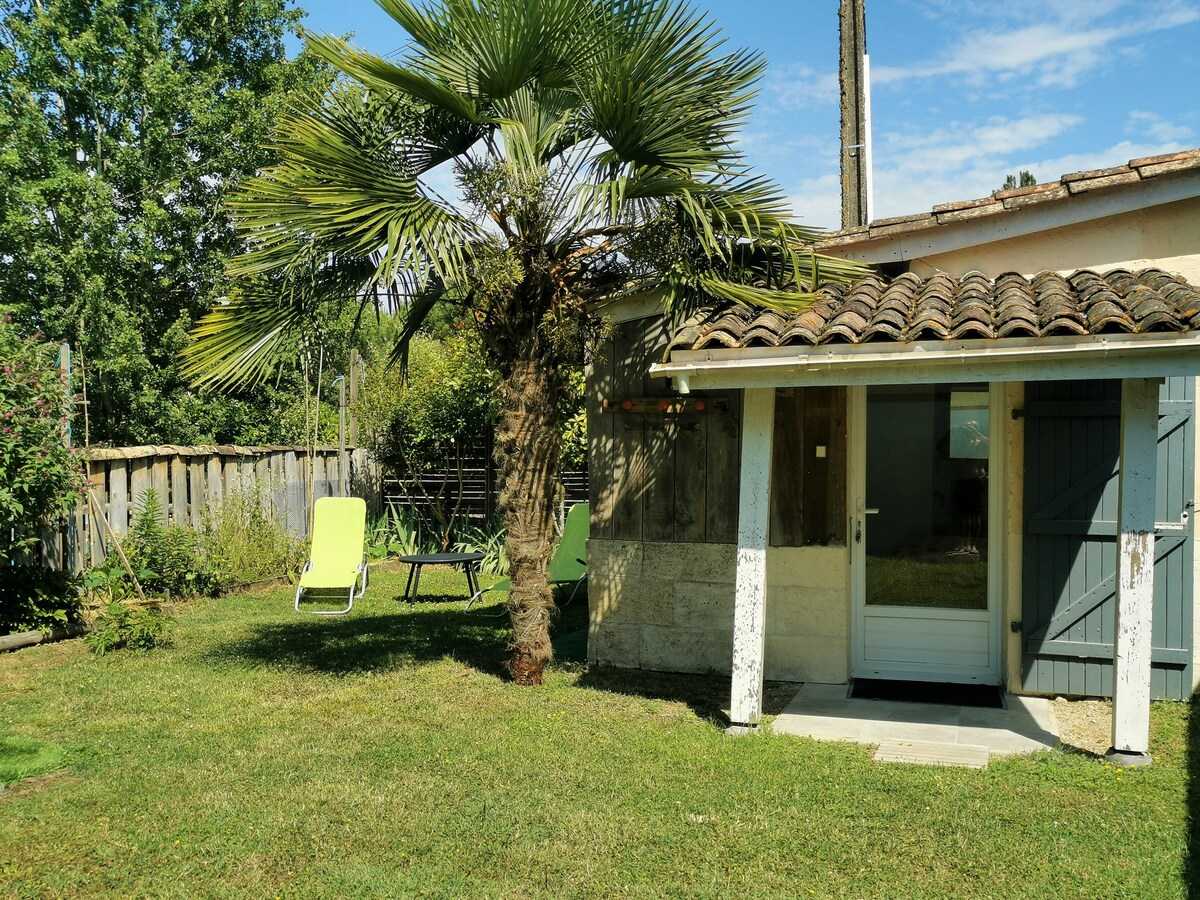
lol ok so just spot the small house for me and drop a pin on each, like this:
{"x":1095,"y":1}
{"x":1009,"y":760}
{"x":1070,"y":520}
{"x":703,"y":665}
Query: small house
{"x":976,"y":465}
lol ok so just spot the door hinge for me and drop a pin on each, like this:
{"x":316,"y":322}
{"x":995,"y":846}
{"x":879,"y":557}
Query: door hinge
{"x":1018,"y":414}
{"x":1016,"y":627}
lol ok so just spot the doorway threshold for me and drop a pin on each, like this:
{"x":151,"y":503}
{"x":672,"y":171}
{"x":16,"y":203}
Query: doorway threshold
{"x":826,"y":712}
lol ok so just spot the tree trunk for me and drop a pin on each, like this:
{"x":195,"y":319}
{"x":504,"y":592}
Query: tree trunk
{"x":527,"y":451}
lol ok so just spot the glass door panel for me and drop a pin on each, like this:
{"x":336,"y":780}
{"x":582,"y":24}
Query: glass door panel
{"x":927,"y":489}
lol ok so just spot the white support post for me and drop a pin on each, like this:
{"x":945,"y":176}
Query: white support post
{"x":1135,"y":571}
{"x":750,"y":591}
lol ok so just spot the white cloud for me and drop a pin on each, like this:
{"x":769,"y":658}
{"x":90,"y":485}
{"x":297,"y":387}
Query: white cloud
{"x":1155,"y":127}
{"x":960,"y":147}
{"x":817,"y":202}
{"x":796,"y":86}
{"x":1079,"y":38}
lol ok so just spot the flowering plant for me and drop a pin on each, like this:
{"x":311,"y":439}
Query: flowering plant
{"x":40,"y":477}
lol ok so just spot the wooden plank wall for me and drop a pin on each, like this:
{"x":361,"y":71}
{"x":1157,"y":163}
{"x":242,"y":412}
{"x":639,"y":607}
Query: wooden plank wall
{"x":193,"y":482}
{"x":658,"y":476}
{"x":808,"y":474}
{"x":673,"y":476}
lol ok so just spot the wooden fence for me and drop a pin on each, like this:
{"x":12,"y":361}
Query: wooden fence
{"x":478,"y":486}
{"x":192,"y":482}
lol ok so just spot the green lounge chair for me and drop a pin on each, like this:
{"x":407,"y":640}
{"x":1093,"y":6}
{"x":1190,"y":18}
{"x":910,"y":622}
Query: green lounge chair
{"x":569,"y":563}
{"x":337,"y":561}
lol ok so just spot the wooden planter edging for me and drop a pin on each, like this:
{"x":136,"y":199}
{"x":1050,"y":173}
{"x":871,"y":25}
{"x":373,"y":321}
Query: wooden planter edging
{"x":33,"y":638}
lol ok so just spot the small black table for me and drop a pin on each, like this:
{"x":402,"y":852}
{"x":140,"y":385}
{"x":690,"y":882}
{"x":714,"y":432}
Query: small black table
{"x":417,"y":561}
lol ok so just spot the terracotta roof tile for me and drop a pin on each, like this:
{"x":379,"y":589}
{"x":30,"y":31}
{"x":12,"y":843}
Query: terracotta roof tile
{"x":972,"y":307}
{"x":1096,"y":173}
{"x":1098,"y":182}
{"x":1048,"y":192}
{"x":1193,"y":155}
{"x":1164,"y":168}
{"x":1136,"y":170}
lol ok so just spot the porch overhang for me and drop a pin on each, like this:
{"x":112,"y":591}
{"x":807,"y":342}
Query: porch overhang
{"x":930,"y":362}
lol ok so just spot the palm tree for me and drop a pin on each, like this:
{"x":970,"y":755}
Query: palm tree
{"x":593,"y":142}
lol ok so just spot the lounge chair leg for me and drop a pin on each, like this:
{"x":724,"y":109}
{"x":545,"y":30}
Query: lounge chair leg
{"x":578,"y":585}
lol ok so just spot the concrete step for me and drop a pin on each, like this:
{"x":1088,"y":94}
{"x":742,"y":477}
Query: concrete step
{"x":930,"y":753}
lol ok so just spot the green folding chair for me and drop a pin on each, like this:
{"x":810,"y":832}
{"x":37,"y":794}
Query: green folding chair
{"x":337,"y":560}
{"x":569,"y":563}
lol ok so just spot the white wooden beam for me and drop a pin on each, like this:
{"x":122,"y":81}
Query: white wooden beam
{"x":936,"y":362}
{"x":750,"y":590}
{"x":1135,"y":571}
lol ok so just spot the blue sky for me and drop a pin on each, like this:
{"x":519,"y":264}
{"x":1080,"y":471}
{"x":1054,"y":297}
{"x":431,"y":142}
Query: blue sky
{"x":965,"y":91}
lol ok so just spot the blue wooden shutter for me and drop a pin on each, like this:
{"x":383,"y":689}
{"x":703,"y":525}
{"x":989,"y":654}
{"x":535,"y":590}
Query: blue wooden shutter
{"x":1072,"y":433}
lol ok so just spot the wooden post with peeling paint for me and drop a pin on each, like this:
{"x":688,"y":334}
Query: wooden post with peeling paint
{"x":1135,"y":570}
{"x":750,"y":590}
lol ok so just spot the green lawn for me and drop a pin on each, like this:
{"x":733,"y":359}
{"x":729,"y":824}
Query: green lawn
{"x":271,"y":754}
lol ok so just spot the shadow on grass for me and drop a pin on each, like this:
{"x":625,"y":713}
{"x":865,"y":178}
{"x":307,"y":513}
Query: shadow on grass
{"x":706,"y":695}
{"x":343,"y":645}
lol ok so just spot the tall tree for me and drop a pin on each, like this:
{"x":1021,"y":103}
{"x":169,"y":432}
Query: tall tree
{"x":1012,"y":182}
{"x":123,"y":124}
{"x":594,"y":145}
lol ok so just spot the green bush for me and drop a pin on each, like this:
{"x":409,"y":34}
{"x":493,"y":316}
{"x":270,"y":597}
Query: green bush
{"x":33,"y":598}
{"x":398,"y":533}
{"x":237,"y":544}
{"x":122,"y":626}
{"x":169,"y":560}
{"x":488,"y":540}
{"x":42,"y":478}
{"x":245,"y":543}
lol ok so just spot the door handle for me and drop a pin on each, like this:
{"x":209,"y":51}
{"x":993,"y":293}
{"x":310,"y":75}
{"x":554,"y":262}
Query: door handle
{"x":863,"y":511}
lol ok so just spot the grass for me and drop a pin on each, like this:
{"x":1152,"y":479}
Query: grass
{"x":382,"y":755}
{"x":22,"y":757}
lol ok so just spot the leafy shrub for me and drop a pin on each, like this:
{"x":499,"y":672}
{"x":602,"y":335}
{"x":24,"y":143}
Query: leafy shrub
{"x":131,"y":627}
{"x":35,"y":598}
{"x":42,"y":478}
{"x":490,"y":542}
{"x":245,"y":543}
{"x":236,"y":544}
{"x":398,"y":533}
{"x":168,"y":559}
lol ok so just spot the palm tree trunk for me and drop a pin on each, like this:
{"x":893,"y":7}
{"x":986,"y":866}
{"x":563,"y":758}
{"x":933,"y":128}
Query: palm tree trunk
{"x":527,"y":451}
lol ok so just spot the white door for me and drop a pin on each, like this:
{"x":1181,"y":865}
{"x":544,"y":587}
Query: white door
{"x":925,"y":520}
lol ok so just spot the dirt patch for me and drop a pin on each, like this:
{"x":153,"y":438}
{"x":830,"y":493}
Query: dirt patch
{"x":1084,"y":724}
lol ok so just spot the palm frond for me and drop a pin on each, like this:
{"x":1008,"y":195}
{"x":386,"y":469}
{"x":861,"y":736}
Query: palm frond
{"x":376,"y":72}
{"x":241,"y":340}
{"x":332,"y":189}
{"x":660,"y":95}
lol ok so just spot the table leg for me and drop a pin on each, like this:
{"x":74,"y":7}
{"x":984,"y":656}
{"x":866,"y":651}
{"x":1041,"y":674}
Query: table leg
{"x":416,"y":585}
{"x":414,"y":573}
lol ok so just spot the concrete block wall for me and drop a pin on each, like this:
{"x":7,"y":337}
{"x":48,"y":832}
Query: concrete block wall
{"x":669,"y":607}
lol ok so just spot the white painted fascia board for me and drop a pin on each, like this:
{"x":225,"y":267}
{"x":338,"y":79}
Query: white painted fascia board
{"x":1088,"y":206}
{"x":929,"y":362}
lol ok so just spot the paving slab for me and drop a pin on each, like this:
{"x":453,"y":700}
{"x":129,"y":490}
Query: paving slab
{"x":928,"y":753}
{"x":825,"y":712}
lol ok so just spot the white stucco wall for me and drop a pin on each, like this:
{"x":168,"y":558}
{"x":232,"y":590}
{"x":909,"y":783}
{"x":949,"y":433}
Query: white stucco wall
{"x":1166,"y":237}
{"x":669,"y":607}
